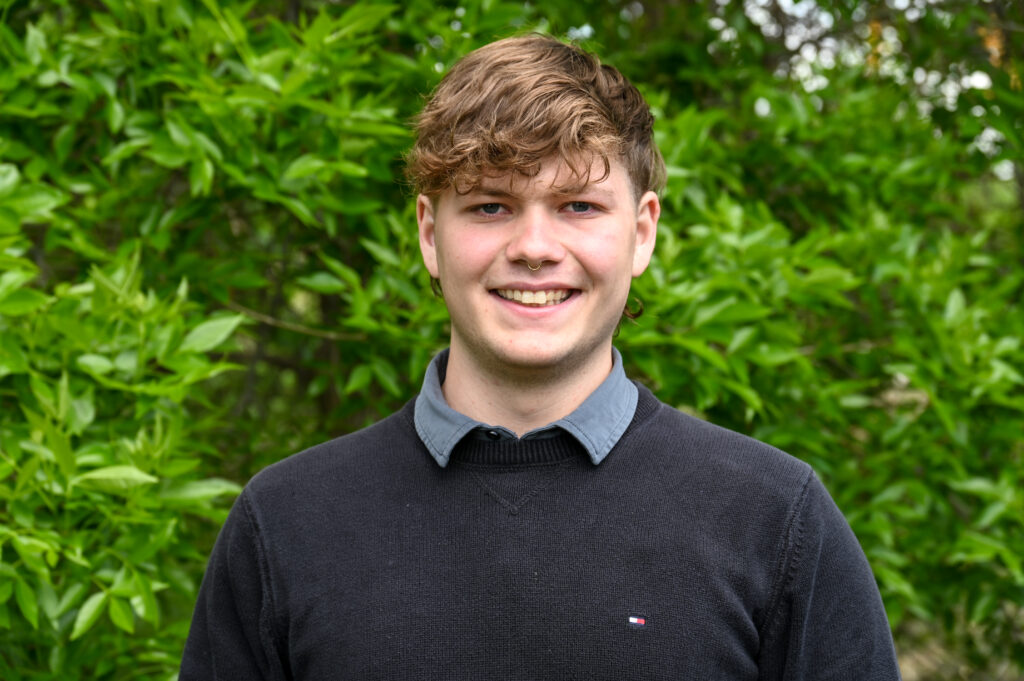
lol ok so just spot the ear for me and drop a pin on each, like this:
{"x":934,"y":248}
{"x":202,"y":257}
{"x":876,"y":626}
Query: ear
{"x":428,"y":233}
{"x":648,"y":212}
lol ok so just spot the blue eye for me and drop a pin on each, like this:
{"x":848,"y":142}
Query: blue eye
{"x":490,"y":208}
{"x":580,"y":207}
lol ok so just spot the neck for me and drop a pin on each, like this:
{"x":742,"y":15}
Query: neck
{"x":520,"y":399}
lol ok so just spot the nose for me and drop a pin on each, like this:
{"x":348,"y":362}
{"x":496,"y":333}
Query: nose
{"x":535,"y":238}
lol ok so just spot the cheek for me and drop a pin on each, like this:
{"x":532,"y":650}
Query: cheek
{"x":608,"y":256}
{"x":463,"y":257}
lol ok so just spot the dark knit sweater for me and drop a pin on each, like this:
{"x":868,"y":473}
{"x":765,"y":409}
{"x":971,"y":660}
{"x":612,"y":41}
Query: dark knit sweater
{"x":361,"y":558}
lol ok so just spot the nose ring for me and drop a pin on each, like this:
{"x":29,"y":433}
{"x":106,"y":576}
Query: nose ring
{"x":531,"y":267}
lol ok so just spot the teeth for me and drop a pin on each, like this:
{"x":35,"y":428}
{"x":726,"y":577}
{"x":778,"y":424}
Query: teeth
{"x":541,"y":298}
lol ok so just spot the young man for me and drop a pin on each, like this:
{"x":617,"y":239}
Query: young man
{"x":533,"y":513}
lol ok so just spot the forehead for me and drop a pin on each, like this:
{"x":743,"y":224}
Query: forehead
{"x":554,"y":176}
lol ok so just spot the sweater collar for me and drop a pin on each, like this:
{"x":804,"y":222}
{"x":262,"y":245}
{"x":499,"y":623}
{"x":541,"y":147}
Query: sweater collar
{"x":597,"y":424}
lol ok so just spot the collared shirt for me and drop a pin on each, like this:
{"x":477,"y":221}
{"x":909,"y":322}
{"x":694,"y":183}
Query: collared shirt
{"x":597,"y":423}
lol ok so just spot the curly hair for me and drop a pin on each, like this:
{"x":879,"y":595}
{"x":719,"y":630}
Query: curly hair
{"x":508,"y":106}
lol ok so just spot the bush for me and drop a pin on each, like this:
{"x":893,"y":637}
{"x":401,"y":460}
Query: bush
{"x":209,"y":262}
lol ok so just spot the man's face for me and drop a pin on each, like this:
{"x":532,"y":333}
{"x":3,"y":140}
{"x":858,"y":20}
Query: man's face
{"x":588,"y":245}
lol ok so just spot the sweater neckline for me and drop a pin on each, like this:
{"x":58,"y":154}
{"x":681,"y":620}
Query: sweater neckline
{"x":558,"y":447}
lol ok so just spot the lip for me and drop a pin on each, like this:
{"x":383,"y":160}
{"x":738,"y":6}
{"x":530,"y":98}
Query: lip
{"x":534,"y":286}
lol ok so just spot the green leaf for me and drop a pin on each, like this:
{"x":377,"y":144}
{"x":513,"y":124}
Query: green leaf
{"x":742,"y":312}
{"x":380,"y":253}
{"x":115,"y":115}
{"x":107,"y":84}
{"x":9,"y":178}
{"x":12,"y":358}
{"x":350,"y":168}
{"x":346,"y":273}
{"x":10,"y":222}
{"x":181,"y":134}
{"x":299,"y":209}
{"x":35,"y":44}
{"x":124,"y":150}
{"x":63,"y":397}
{"x":955,"y":306}
{"x":992,"y":513}
{"x":707,"y":313}
{"x":70,"y":597}
{"x":746,"y":393}
{"x":22,"y":302}
{"x":82,"y":413}
{"x":358,"y":18}
{"x":35,"y":200}
{"x":201,"y":176}
{"x":771,"y":356}
{"x":13,"y":280}
{"x":95,"y":364}
{"x":166,"y":154}
{"x":210,"y":334}
{"x":27,"y":603}
{"x":386,"y":375}
{"x":740,"y":337}
{"x":984,"y":607}
{"x":831,"y":277}
{"x":304,"y":166}
{"x":60,"y":445}
{"x":88,"y":614}
{"x":855,"y":401}
{"x":982,"y":487}
{"x":199,"y":490}
{"x":322,"y":282}
{"x":47,"y":599}
{"x":150,"y":609}
{"x":121,"y":614}
{"x":63,"y":141}
{"x":358,"y":379}
{"x":114,"y":479}
{"x":702,"y":350}
{"x":30,"y":549}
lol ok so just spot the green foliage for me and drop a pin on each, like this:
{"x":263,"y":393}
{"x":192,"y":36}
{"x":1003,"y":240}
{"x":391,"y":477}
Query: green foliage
{"x":208,"y":261}
{"x":100,"y":483}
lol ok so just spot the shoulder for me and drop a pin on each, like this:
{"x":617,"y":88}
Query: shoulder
{"x":356,"y":459}
{"x":715,"y":458}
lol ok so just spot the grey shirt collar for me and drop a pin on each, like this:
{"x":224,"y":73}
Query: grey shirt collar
{"x":598,"y":423}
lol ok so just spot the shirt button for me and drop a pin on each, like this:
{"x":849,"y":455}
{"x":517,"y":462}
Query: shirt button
{"x":493,"y":434}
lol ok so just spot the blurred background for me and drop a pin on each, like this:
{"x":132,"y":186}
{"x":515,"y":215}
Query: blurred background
{"x":208,"y":261}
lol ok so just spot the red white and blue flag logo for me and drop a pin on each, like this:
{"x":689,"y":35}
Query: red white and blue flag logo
{"x":637,"y":621}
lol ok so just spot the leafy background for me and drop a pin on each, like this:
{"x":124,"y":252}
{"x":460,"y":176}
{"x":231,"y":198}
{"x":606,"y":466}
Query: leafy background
{"x":208,"y":261}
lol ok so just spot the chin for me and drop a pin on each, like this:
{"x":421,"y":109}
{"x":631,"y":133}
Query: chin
{"x":542,"y":358}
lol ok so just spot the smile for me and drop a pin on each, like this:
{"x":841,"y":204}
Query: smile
{"x":537,"y":298}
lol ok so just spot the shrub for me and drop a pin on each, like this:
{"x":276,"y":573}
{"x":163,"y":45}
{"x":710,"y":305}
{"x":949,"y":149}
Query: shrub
{"x":209,"y":262}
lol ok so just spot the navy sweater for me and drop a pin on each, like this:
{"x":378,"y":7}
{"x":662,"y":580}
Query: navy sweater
{"x":691,"y":553}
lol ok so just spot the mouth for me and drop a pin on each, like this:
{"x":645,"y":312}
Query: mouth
{"x":535,"y":298}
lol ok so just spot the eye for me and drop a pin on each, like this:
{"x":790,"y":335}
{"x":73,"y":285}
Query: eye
{"x":488,"y":208}
{"x":580,"y":207}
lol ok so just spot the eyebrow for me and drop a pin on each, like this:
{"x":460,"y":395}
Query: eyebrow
{"x":497,"y":192}
{"x":491,"y":191}
{"x":605,"y":194}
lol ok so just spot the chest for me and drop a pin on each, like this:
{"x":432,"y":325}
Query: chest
{"x":520,"y":583}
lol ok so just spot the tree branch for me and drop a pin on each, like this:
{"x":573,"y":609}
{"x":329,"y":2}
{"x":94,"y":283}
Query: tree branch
{"x":292,"y":326}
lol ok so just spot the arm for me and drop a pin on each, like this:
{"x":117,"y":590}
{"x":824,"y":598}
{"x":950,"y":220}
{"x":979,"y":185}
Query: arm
{"x":231,"y":637}
{"x":827,"y":621}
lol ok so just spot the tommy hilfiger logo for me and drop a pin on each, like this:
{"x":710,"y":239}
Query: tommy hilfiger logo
{"x":635,"y":621}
